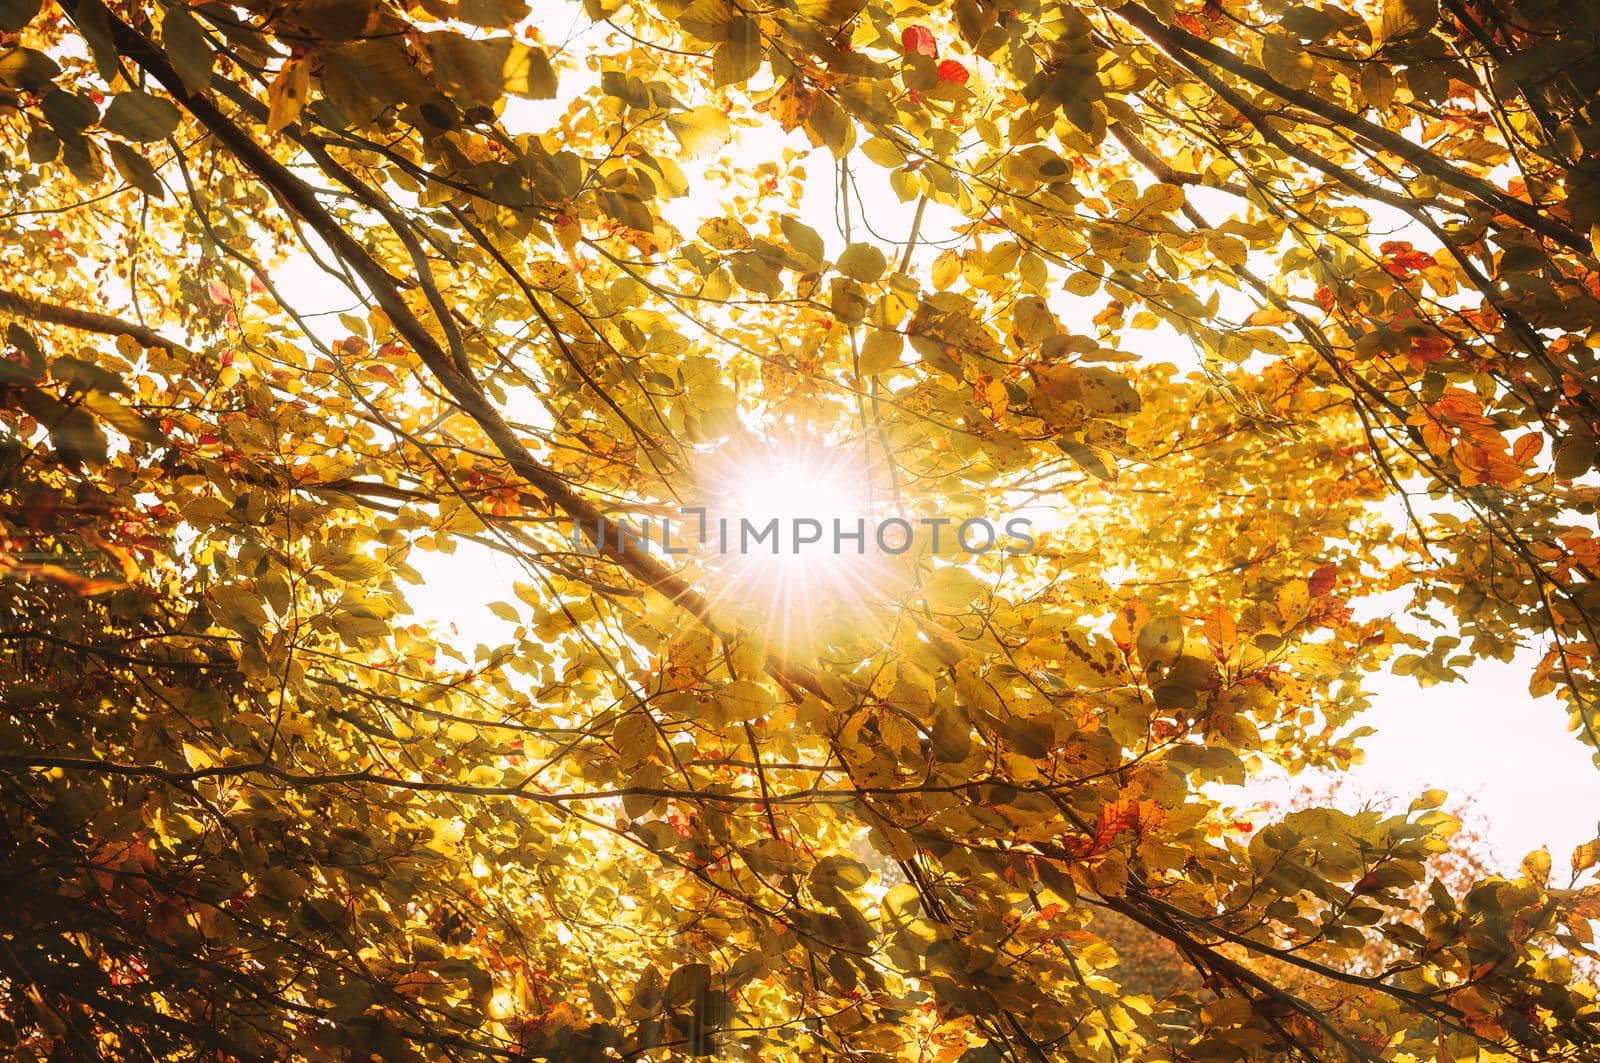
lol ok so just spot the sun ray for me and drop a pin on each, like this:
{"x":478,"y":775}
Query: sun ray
{"x":788,"y":539}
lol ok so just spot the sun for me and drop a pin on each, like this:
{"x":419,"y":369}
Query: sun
{"x":787,"y":536}
{"x":798,"y":485}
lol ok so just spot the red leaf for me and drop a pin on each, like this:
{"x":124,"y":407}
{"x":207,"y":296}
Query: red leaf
{"x":950,"y":70}
{"x":1425,"y":350}
{"x":918,"y":40}
{"x":1402,"y":260}
{"x":1322,"y":580}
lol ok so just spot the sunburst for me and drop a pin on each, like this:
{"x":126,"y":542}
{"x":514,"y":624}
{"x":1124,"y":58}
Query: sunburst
{"x":788,"y":538}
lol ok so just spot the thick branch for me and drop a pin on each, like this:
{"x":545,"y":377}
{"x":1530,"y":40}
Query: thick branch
{"x":1184,"y":47}
{"x":87,"y":320}
{"x":385,"y":288}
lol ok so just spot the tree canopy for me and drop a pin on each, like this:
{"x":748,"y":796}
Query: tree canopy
{"x":1280,"y":309}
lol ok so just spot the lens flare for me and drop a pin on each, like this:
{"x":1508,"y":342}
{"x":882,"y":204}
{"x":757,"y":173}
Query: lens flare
{"x":787,"y":539}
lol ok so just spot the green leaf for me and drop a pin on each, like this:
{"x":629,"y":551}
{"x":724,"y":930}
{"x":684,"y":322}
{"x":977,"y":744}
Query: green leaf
{"x":831,"y":125}
{"x":94,"y":23}
{"x":27,"y":69}
{"x":69,"y":112}
{"x":739,"y":56}
{"x":136,"y":170}
{"x":125,"y":419}
{"x":528,"y":73}
{"x":140,"y":116}
{"x":185,"y":44}
{"x":802,"y":237}
{"x":862,"y":262}
{"x":481,"y":72}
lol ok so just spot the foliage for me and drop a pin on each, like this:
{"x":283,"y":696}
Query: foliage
{"x":1149,"y":963}
{"x":254,"y":811}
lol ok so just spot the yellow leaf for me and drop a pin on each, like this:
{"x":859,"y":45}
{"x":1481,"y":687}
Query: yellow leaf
{"x":881,"y":351}
{"x":884,"y":679}
{"x":952,"y":588}
{"x":1021,"y":769}
{"x":1221,"y":633}
{"x":1082,"y":283}
{"x":1429,"y":799}
{"x":528,"y":73}
{"x":863,"y":262}
{"x":1161,"y":199}
{"x":701,"y":130}
{"x":743,"y":700}
{"x":1230,"y":250}
{"x":287,"y":94}
{"x":1294,"y":598}
{"x":1160,"y":641}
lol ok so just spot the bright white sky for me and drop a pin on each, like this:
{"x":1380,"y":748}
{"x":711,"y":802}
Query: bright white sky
{"x":1484,"y":741}
{"x":1488,"y":741}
